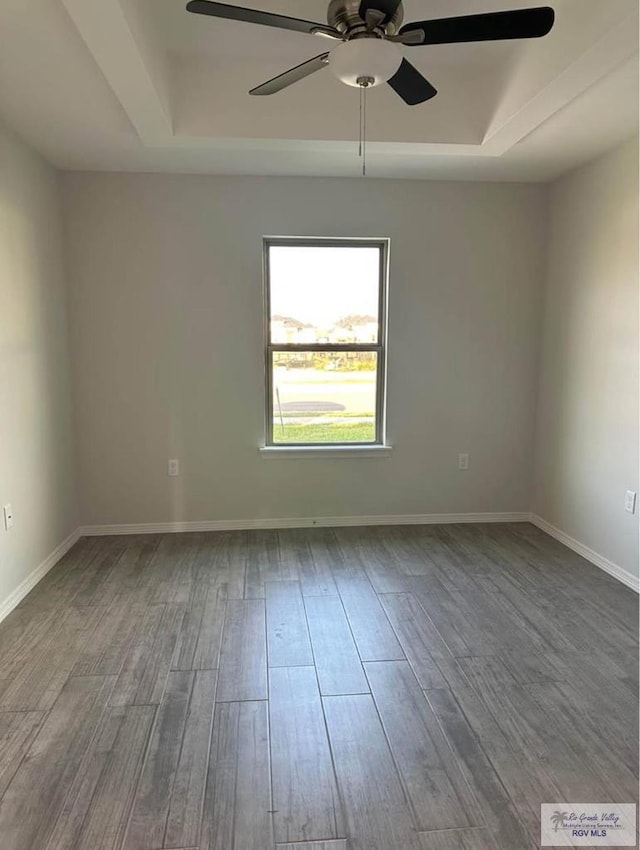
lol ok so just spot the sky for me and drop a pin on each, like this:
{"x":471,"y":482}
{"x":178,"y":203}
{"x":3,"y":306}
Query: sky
{"x":319,"y":285}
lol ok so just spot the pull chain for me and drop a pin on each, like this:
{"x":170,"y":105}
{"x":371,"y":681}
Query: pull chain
{"x":363,"y":83}
{"x":361,"y":134}
{"x":364,"y":132}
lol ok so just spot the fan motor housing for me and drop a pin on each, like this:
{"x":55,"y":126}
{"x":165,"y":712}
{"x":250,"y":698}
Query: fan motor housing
{"x":344,"y":15}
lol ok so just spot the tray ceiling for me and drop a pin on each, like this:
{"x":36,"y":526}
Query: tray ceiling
{"x":143,"y":85}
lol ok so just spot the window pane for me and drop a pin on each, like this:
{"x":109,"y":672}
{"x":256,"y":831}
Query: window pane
{"x":324,"y":294}
{"x":324,"y":397}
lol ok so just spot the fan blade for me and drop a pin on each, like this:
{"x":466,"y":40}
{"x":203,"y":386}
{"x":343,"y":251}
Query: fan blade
{"x":412,"y":87}
{"x":293,"y":75}
{"x":388,"y":8}
{"x":494,"y":26}
{"x":255,"y":16}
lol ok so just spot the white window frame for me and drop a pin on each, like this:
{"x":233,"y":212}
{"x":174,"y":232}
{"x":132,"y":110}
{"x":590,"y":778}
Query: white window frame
{"x":380,"y":347}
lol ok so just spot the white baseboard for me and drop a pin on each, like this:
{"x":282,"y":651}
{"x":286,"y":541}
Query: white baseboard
{"x":30,"y":582}
{"x":14,"y":598}
{"x":299,"y":522}
{"x":600,"y":561}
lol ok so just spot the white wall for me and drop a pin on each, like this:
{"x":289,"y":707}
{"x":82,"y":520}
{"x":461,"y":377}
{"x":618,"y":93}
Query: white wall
{"x":168,"y":345}
{"x":36,"y":453}
{"x":587,"y":441}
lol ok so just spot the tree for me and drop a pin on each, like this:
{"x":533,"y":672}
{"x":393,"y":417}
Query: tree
{"x":558,"y":818}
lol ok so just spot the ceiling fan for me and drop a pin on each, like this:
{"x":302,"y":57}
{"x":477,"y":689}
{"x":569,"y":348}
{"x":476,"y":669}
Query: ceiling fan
{"x":371,"y":37}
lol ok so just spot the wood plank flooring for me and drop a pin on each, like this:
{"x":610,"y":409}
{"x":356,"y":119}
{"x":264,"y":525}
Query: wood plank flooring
{"x":409,"y":688}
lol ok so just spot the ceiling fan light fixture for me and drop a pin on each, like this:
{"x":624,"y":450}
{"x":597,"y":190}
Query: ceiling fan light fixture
{"x":370,"y":32}
{"x":372,"y":58}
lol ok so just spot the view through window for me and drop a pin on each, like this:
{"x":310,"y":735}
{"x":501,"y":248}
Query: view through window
{"x":325,"y":341}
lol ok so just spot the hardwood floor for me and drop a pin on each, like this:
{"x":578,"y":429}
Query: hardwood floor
{"x":399,"y":688}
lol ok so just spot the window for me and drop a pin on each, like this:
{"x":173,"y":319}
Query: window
{"x":326,"y":333}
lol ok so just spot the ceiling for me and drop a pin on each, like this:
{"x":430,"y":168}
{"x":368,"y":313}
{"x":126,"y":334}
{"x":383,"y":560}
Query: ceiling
{"x":141,"y":85}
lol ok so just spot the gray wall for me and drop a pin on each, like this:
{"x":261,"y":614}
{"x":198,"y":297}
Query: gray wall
{"x":168,"y":345}
{"x":166,"y":318}
{"x":37,"y":473}
{"x":587,"y":441}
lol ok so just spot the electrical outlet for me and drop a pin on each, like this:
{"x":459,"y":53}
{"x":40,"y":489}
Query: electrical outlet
{"x":630,"y":501}
{"x":174,"y":468}
{"x":463,"y":461}
{"x":8,"y":517}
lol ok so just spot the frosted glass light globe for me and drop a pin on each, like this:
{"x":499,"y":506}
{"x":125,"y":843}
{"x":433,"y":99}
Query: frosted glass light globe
{"x":365,"y":57}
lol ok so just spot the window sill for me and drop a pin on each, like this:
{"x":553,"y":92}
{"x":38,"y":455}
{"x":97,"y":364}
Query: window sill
{"x":325,"y":452}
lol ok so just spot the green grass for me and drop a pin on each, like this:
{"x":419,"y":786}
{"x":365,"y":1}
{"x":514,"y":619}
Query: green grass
{"x":338,"y":432}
